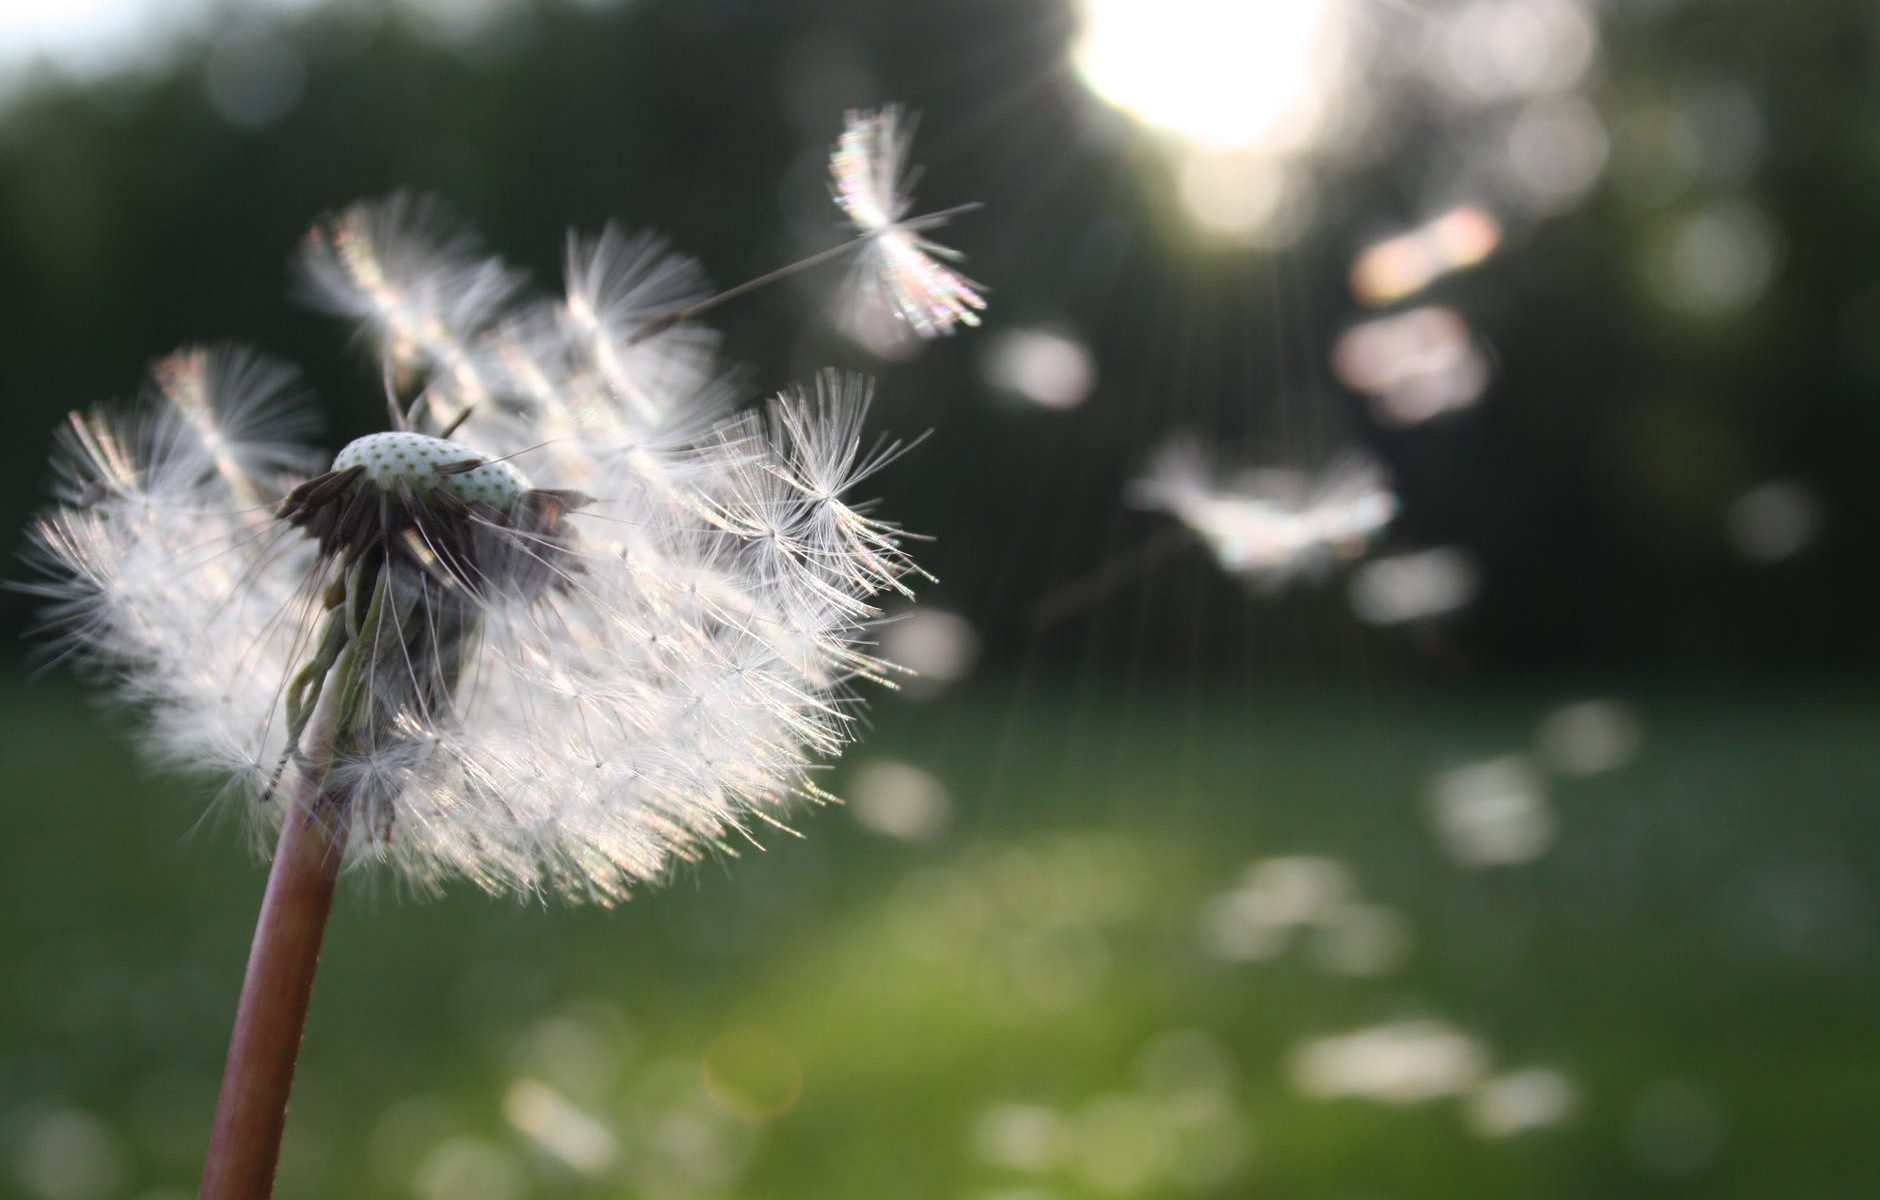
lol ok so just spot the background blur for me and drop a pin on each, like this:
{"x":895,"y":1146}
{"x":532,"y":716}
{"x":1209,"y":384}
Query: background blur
{"x":1526,"y":853}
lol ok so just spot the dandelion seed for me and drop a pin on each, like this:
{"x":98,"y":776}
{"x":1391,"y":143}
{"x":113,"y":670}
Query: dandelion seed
{"x":1270,"y":527}
{"x":900,"y":267}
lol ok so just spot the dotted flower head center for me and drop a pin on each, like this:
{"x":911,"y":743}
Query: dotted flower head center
{"x":426,"y":464}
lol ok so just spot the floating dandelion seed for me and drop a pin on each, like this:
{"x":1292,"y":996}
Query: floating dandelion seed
{"x":566,"y":625}
{"x":1269,"y":527}
{"x":900,"y":266}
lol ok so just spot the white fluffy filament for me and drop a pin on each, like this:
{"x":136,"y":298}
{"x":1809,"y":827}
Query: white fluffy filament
{"x":900,"y":267}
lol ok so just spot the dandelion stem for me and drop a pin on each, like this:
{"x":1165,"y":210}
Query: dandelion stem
{"x":251,"y":1112}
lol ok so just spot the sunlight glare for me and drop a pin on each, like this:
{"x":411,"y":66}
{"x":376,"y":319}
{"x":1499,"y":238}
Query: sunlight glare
{"x":1221,"y":73}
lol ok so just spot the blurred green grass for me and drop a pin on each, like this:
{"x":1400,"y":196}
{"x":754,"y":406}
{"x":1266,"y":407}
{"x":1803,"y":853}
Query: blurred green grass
{"x":1019,"y":1008}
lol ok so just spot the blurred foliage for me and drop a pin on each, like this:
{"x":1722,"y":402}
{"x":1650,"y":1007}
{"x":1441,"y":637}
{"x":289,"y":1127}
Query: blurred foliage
{"x":1593,"y":481}
{"x":1025,"y":1004}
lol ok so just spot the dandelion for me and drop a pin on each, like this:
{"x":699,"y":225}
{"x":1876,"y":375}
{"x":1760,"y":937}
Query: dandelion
{"x":1271,"y":526}
{"x":900,"y":267}
{"x":569,"y":624}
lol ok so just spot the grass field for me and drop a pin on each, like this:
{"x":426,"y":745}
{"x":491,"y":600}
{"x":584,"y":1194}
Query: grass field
{"x":1046,"y":999}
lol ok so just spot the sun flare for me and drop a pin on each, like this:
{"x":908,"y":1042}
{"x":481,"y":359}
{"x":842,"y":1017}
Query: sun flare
{"x":1243,"y":74}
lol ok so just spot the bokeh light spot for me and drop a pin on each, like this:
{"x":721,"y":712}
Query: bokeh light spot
{"x":938,"y":646}
{"x":1774,"y":521}
{"x":1492,"y":813}
{"x":1406,"y":263}
{"x":898,"y":800}
{"x":752,"y":1074}
{"x":1520,"y":1101}
{"x":1589,"y":737}
{"x":1413,"y":366}
{"x":1039,"y":366}
{"x":1419,"y":586}
{"x":69,"y":1155}
{"x":1407,"y":1062}
{"x":1717,"y":261}
{"x":558,"y":1126}
{"x":466,"y":1168}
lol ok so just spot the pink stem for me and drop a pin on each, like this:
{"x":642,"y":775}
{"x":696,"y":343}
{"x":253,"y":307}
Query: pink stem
{"x":252,"y":1110}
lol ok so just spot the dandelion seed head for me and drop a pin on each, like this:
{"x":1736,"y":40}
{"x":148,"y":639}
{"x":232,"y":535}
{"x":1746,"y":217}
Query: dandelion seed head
{"x":577,"y":626}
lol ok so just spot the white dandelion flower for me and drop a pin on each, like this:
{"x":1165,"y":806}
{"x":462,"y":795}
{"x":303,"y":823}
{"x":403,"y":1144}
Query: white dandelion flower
{"x":568,"y":624}
{"x":592,"y":630}
{"x":900,"y":269}
{"x":1270,"y":526}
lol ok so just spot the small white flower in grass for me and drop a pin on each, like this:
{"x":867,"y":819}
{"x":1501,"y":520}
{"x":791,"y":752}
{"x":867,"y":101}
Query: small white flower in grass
{"x":1403,"y":1062}
{"x":900,"y":266}
{"x":575,"y":627}
{"x":1531,"y":1098}
{"x":1492,"y":813}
